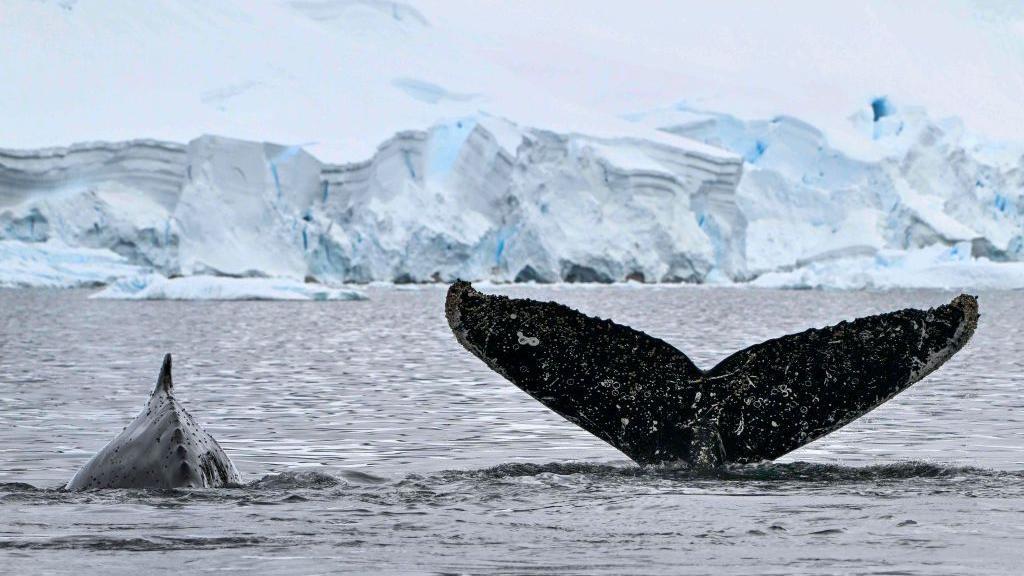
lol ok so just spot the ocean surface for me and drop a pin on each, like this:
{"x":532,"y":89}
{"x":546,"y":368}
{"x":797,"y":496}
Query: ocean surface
{"x":371,"y":442}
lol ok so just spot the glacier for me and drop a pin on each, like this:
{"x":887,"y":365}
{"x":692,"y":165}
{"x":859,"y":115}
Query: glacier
{"x":418,"y":142}
{"x":909,"y":201}
{"x":480,"y":197}
{"x":896,"y":191}
{"x":475,"y":197}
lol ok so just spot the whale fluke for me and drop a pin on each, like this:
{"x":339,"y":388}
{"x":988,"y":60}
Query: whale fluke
{"x":647,"y":399}
{"x":164,"y":447}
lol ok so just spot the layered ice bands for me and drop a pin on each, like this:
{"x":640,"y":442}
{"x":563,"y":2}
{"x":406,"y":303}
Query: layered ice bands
{"x":477,"y":197}
{"x":117,"y":197}
{"x":901,"y":200}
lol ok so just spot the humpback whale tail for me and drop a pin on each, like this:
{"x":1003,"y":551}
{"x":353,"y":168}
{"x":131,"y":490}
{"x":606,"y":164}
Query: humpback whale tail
{"x":647,"y":399}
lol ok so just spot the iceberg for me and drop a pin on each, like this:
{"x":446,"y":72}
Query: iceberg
{"x":934,"y":267}
{"x":55,"y":265}
{"x":157,"y":287}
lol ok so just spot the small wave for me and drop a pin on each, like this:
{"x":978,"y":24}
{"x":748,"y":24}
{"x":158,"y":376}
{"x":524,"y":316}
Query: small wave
{"x":765,"y":473}
{"x":816,"y":472}
{"x":358,"y":477}
{"x":295,"y":479}
{"x":520,"y":469}
{"x":137,"y":544}
{"x":18,"y":487}
{"x":760,"y":472}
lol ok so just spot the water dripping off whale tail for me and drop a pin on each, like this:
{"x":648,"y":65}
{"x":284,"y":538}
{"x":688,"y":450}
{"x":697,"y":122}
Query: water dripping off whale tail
{"x":164,"y":447}
{"x":647,"y":399}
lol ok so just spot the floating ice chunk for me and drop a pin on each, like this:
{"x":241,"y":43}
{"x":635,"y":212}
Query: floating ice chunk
{"x":933,"y":267}
{"x":55,"y":265}
{"x":157,"y":287}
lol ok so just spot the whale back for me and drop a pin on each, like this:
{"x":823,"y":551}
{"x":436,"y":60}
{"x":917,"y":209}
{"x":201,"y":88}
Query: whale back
{"x":648,"y":400}
{"x":164,"y":447}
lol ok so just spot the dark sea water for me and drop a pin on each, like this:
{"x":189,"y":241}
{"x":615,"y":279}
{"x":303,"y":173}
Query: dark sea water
{"x":373,"y":443}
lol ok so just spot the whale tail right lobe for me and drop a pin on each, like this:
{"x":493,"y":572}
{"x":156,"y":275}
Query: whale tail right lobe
{"x":783,"y":393}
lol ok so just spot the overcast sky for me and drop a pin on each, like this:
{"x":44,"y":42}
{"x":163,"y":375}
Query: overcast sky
{"x":807,"y":58}
{"x":347,"y":74}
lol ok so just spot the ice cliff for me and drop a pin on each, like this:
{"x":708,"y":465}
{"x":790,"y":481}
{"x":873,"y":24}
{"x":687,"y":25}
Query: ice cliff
{"x":476,"y":197}
{"x":897,"y":199}
{"x":906,"y":201}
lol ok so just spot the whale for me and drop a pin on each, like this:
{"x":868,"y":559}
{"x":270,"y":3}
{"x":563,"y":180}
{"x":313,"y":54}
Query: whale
{"x":651,"y":402}
{"x":164,"y":447}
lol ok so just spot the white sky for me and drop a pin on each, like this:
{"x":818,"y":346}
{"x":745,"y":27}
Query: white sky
{"x":813,"y":59}
{"x":336,"y":73}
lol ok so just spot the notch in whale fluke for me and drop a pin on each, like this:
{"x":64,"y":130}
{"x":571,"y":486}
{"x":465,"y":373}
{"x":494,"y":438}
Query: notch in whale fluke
{"x":647,"y":399}
{"x":163,"y":381}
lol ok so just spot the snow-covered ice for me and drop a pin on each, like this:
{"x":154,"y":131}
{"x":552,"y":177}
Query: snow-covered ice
{"x":906,"y":182}
{"x":938,"y":267}
{"x":483,"y":198}
{"x":338,"y":77}
{"x":477,"y":197}
{"x":157,"y":287}
{"x":55,"y":265}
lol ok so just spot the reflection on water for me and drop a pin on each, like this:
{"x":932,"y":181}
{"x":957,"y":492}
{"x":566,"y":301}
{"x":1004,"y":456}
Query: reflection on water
{"x":373,"y":442}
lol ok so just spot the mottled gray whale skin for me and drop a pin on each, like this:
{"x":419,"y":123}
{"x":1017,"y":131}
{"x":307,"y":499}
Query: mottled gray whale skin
{"x":647,"y":399}
{"x":163,"y":447}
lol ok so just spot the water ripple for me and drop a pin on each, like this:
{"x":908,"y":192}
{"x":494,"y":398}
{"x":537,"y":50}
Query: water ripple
{"x":371,"y":442}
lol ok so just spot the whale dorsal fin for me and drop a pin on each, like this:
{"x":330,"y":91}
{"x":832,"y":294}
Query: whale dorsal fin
{"x":163,"y":382}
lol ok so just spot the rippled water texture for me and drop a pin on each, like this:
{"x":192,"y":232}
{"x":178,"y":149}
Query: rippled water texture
{"x":374,"y":443}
